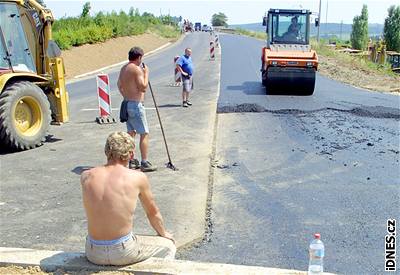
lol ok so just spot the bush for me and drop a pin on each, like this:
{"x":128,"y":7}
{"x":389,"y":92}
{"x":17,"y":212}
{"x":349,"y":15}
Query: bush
{"x":76,"y":31}
{"x":63,"y":39}
{"x":94,"y":34}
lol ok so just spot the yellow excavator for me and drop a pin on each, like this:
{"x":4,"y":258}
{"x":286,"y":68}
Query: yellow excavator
{"x":32,"y":84}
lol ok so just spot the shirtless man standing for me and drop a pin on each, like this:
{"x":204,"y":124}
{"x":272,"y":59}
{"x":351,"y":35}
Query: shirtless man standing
{"x":110,"y":194}
{"x":132,"y":84}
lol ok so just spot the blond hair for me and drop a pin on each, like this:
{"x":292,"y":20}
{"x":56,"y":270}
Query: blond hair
{"x":119,"y":146}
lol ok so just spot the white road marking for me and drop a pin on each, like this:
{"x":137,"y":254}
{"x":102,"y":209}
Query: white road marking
{"x":96,"y":109}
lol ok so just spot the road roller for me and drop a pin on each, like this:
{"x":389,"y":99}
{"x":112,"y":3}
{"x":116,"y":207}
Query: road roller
{"x":288,"y":64}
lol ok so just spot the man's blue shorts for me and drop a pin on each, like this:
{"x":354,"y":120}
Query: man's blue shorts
{"x":137,"y":118}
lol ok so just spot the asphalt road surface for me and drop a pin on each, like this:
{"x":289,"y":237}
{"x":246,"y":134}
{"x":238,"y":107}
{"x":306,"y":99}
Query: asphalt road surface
{"x":284,"y":167}
{"x":287,"y":167}
{"x":40,"y":198}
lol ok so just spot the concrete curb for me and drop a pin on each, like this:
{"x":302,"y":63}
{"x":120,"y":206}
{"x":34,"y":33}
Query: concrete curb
{"x":52,"y":260}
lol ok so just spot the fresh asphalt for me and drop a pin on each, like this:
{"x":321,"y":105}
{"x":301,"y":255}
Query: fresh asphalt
{"x":287,"y":167}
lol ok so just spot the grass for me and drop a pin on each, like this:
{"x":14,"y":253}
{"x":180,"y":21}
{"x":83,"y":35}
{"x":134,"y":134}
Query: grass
{"x":166,"y":31}
{"x":258,"y":35}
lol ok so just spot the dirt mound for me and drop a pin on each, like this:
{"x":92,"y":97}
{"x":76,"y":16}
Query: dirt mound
{"x":86,"y":58}
{"x":358,"y":77}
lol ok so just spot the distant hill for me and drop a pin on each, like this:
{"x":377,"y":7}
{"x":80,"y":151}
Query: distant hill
{"x":326,"y":30}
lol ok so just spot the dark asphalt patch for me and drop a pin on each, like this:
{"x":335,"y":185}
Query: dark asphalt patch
{"x":367,"y":111}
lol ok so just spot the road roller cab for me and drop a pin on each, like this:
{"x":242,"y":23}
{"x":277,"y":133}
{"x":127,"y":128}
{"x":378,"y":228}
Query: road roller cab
{"x":288,"y":63}
{"x":32,"y":85}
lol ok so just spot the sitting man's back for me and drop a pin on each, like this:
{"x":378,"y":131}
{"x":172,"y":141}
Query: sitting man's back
{"x":110,"y":195}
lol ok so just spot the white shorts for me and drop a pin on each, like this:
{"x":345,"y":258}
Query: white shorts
{"x":187,"y":83}
{"x":135,"y":248}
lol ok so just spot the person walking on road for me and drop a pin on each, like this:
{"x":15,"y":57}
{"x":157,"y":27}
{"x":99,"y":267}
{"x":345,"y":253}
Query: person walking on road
{"x":110,"y":194}
{"x":132,"y":84}
{"x":185,"y":66}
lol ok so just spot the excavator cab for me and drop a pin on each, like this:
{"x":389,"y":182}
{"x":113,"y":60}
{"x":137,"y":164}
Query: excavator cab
{"x":32,"y":84}
{"x":288,"y":63}
{"x":14,"y":50}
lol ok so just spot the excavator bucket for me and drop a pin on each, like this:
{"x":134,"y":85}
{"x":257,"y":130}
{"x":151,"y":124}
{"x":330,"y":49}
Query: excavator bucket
{"x":290,"y":80}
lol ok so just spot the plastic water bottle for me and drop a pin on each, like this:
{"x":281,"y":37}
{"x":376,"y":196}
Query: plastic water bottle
{"x":317,"y":252}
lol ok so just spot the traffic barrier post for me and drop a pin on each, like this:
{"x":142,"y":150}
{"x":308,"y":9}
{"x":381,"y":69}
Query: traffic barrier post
{"x":216,"y":41}
{"x":177,"y":73}
{"x":103,"y":95}
{"x":212,"y":51}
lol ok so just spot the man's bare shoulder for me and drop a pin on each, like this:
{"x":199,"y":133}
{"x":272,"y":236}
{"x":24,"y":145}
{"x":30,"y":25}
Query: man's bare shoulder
{"x":133,"y":68}
{"x":128,"y":67}
{"x":86,"y":175}
{"x":137,"y":176}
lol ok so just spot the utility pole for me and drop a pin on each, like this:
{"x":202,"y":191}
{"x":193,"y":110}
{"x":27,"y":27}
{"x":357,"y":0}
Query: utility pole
{"x":319,"y":20}
{"x":341,"y":26}
{"x":326,"y":19}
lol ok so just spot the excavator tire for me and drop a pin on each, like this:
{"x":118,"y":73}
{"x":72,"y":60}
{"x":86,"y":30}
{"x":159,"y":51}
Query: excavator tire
{"x":288,"y":80}
{"x":24,"y":116}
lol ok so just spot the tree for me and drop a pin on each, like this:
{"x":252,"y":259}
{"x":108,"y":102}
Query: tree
{"x":85,"y":10}
{"x":391,"y":29}
{"x":219,"y":19}
{"x":133,"y":12}
{"x":359,"y":30}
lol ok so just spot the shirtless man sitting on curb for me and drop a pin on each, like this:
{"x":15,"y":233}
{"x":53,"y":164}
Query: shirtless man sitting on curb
{"x":110,"y":194}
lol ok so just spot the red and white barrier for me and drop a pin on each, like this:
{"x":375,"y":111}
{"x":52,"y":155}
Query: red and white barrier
{"x":216,"y":41}
{"x":177,"y":73}
{"x":103,"y":94}
{"x":212,"y":50}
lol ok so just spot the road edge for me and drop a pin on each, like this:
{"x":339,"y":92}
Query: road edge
{"x":71,"y":261}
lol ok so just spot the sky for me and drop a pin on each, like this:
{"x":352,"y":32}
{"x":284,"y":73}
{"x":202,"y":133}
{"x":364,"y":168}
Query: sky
{"x":238,"y":12}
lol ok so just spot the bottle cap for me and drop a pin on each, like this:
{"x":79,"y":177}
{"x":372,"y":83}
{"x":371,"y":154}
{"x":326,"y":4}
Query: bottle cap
{"x":317,"y":236}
